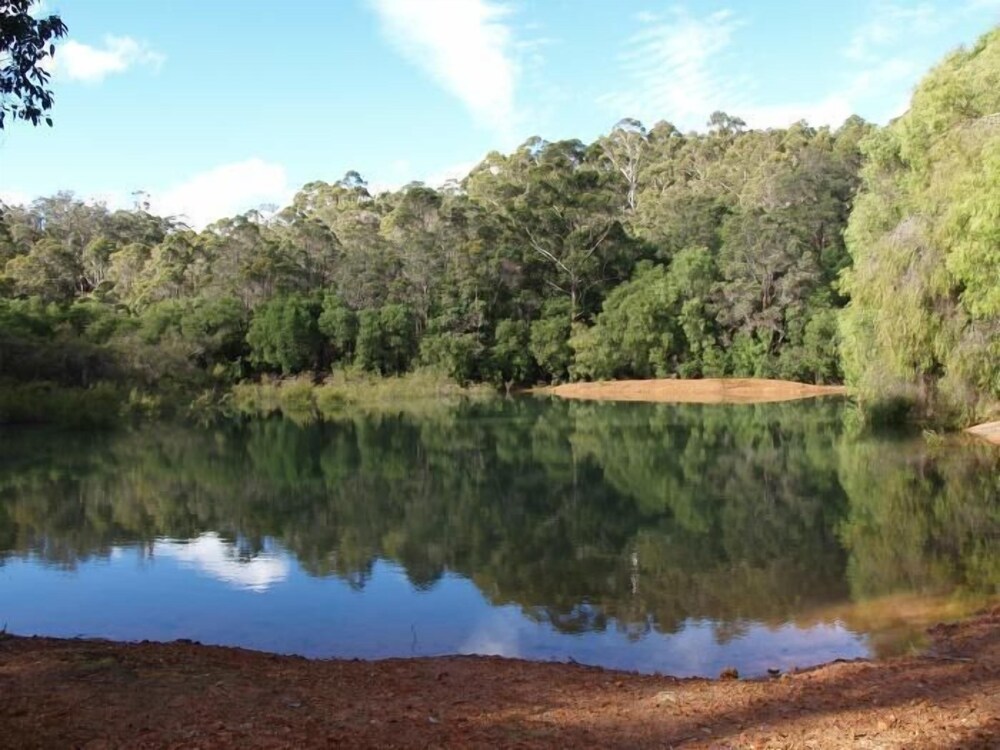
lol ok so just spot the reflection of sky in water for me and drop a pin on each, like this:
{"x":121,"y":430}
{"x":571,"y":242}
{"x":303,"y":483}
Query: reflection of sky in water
{"x":204,"y":589}
{"x":210,"y":555}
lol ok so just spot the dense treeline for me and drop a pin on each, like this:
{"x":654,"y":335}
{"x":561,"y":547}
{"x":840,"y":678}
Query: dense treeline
{"x":643,"y":254}
{"x":646,"y":253}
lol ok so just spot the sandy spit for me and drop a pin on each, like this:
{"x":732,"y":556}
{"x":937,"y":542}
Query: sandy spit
{"x":706,"y":391}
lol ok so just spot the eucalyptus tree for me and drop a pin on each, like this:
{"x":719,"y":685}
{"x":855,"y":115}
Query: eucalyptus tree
{"x":363,"y":267}
{"x":625,"y":148}
{"x":415,"y":229}
{"x":25,"y":44}
{"x":561,"y":208}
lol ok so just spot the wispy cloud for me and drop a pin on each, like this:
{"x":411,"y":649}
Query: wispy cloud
{"x":223,"y":191}
{"x":82,"y":62}
{"x":464,"y":45}
{"x":675,"y":69}
{"x":681,"y":68}
{"x":889,"y":23}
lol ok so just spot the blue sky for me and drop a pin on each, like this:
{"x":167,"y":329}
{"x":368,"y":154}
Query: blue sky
{"x":214,"y":107}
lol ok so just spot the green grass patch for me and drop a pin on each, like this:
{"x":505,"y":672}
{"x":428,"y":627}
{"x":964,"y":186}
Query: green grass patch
{"x":303,"y":400}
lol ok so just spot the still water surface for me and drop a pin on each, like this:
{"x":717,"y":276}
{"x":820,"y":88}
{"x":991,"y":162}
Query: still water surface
{"x":673,"y":538}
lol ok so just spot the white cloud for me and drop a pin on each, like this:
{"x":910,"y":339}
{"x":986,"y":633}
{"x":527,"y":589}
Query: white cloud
{"x":223,"y":191}
{"x":14,"y":198}
{"x":401,"y":173}
{"x":674,"y":70}
{"x":876,"y":81}
{"x":831,"y":110}
{"x":452,"y":172}
{"x":889,"y":23}
{"x":81,"y":62}
{"x":465,"y":45}
{"x":220,"y":560}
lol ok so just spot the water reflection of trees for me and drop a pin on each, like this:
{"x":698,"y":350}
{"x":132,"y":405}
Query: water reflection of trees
{"x":922,"y":520}
{"x":577,"y":512}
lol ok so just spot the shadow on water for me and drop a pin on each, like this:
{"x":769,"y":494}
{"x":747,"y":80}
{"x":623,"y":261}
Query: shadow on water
{"x":586,"y":516}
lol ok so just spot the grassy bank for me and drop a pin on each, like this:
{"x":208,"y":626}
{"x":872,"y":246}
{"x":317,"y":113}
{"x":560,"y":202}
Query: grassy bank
{"x":305,"y":400}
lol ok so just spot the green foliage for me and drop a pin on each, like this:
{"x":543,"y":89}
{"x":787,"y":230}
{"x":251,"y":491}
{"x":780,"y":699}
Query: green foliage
{"x":25,"y":43}
{"x":458,"y":355}
{"x":636,"y":334}
{"x":399,"y":338}
{"x":549,"y":342}
{"x":339,"y":324}
{"x":387,"y":339}
{"x":923,"y":324}
{"x":283,"y":334}
{"x":510,"y":359}
{"x":350,"y":391}
{"x":49,"y":271}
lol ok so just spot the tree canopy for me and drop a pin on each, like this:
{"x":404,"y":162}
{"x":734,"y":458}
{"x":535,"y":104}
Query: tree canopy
{"x":25,"y":43}
{"x":923,"y":323}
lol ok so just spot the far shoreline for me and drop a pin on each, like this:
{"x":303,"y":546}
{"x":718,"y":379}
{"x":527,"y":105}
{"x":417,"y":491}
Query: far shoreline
{"x":701,"y":391}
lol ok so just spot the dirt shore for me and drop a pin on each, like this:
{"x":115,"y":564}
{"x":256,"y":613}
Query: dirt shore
{"x":706,"y":391}
{"x":98,"y":694}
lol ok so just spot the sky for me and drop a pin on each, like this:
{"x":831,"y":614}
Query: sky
{"x":213,"y":107}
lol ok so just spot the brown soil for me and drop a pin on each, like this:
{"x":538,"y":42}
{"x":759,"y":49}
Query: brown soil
{"x":97,"y":694}
{"x":707,"y":391}
{"x":989,"y":431}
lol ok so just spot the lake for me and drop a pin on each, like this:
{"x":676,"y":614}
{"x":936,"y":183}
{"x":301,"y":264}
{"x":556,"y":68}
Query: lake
{"x":680,"y":539}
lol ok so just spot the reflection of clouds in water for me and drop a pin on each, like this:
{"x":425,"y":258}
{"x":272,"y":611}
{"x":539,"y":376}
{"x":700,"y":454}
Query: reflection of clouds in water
{"x":697,"y":650}
{"x":222,"y":560}
{"x":495,"y":635}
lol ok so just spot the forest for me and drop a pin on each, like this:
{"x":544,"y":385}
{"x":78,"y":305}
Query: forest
{"x":861,"y":254}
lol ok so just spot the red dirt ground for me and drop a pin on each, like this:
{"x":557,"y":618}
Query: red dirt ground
{"x":98,"y":694}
